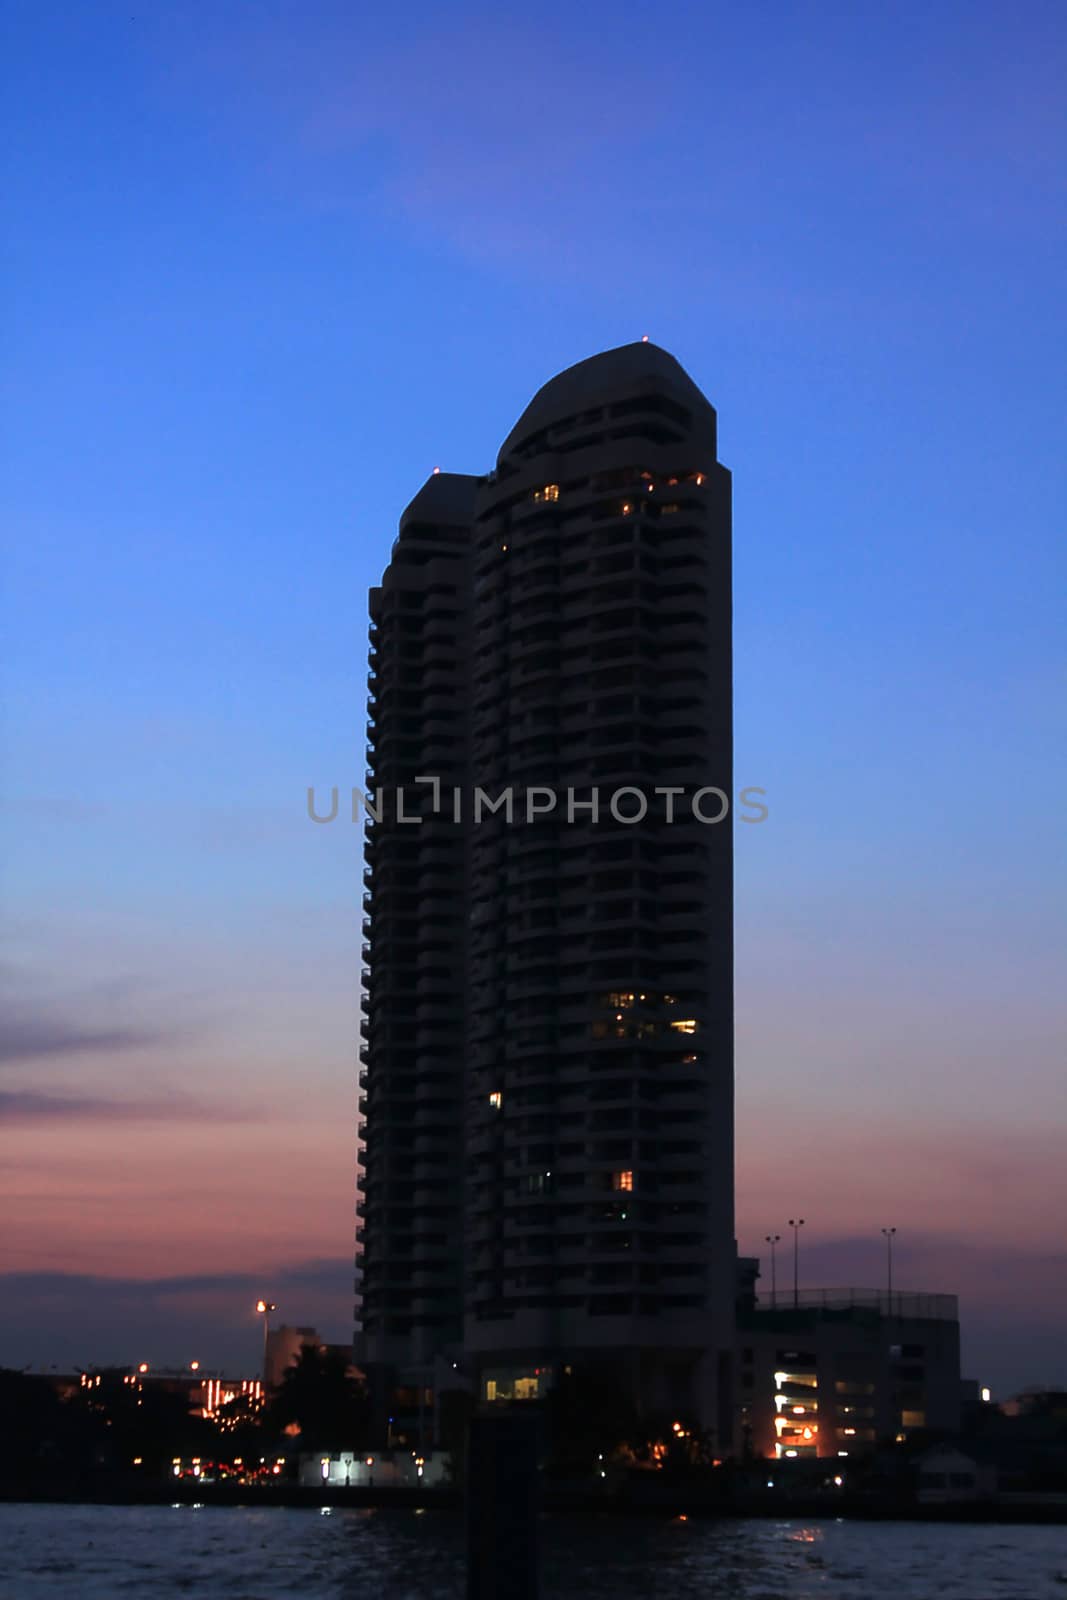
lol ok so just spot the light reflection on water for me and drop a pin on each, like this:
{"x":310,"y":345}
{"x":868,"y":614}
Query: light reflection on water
{"x":163,"y":1552}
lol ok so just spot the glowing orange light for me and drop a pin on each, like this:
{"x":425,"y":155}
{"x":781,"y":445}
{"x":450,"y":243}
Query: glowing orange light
{"x":143,"y":1367}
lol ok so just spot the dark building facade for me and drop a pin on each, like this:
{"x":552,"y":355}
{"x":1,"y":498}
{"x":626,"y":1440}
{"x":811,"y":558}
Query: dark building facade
{"x":547,"y":1072}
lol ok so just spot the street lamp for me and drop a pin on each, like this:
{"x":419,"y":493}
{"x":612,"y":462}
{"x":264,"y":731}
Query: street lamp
{"x":772,"y":1239}
{"x":796,"y":1224}
{"x":265,"y":1307}
{"x":889,"y":1232}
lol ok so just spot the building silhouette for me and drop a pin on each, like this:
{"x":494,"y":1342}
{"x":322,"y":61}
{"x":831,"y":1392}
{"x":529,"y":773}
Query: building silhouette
{"x":547,"y":1063}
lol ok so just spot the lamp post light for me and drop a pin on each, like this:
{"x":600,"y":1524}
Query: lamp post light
{"x":888,"y":1233}
{"x":796,"y":1223}
{"x":265,"y":1307}
{"x":772,"y":1239}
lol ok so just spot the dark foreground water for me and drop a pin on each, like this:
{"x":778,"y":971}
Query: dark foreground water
{"x":109,"y":1552}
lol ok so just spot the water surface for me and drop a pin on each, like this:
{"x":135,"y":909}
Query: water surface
{"x":126,"y":1552}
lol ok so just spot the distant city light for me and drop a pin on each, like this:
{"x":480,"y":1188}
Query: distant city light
{"x":143,"y":1367}
{"x":987,"y":1395}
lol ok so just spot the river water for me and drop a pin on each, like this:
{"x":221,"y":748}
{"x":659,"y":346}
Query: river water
{"x":52,"y":1552}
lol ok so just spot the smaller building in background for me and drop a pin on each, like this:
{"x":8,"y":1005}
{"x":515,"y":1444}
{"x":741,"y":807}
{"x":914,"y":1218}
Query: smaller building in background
{"x":205,"y":1394}
{"x":283,"y":1348}
{"x":836,"y":1372}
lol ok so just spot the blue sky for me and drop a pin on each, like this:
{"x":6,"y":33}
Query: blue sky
{"x":270,"y":264}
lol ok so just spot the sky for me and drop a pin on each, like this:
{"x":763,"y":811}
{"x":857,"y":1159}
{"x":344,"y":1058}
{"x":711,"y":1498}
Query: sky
{"x":270,"y":263}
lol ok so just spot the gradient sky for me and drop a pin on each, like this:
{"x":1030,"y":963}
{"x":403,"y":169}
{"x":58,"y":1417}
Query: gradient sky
{"x":271,"y":263}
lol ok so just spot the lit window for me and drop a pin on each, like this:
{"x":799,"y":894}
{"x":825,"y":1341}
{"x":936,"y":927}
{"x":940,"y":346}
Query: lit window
{"x":549,"y":492}
{"x":626,"y":508}
{"x":685,"y":1025}
{"x":622,"y":1180}
{"x":496,"y":1099}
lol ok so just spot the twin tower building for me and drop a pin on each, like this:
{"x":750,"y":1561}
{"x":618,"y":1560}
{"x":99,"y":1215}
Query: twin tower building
{"x":546,"y":1072}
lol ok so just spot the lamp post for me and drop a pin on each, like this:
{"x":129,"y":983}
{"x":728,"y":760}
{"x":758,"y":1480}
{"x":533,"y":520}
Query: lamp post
{"x":265,"y":1307}
{"x":772,"y":1239}
{"x":796,"y":1223}
{"x":889,"y":1232}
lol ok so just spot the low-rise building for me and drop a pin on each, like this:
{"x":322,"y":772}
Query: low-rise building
{"x":833,"y":1372}
{"x":947,"y":1476}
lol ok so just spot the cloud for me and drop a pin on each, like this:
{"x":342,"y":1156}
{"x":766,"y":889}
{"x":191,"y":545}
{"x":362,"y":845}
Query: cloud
{"x":40,"y":1036}
{"x":71,"y":1319}
{"x":31,"y":1105}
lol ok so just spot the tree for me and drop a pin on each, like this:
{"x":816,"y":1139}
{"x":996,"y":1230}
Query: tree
{"x":589,"y":1413}
{"x":320,"y":1399}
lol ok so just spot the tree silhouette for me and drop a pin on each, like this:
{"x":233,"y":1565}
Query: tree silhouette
{"x":319,"y":1398}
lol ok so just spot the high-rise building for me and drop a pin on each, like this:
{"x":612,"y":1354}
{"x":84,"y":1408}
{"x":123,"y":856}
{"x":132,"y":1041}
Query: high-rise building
{"x":548,"y":1046}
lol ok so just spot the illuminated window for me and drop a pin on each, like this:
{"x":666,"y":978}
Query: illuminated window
{"x":496,"y":1099}
{"x":685,"y":1025}
{"x":666,"y":511}
{"x":549,"y":492}
{"x":505,"y":1385}
{"x":622,"y":1180}
{"x":913,"y":1419}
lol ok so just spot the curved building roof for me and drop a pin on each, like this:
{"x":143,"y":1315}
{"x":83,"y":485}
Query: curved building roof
{"x":445,"y":497}
{"x":600,"y":379}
